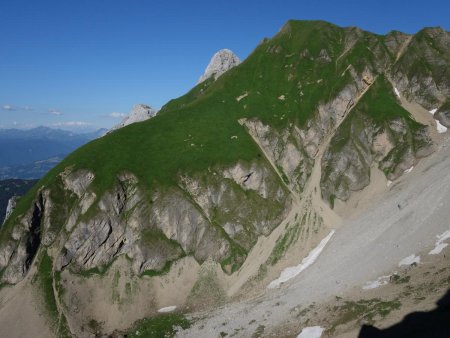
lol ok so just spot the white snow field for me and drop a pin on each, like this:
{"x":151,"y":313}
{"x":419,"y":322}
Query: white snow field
{"x":293,"y":271}
{"x":440,"y":128}
{"x":411,"y":259}
{"x":380,"y":281}
{"x":407,"y":171}
{"x":440,"y":245}
{"x":311,"y":332}
{"x":167,"y":309}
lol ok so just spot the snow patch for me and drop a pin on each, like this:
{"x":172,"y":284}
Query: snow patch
{"x":410,"y":260}
{"x":438,"y":248}
{"x":407,"y":171}
{"x":311,"y":332}
{"x":239,"y":98}
{"x":380,"y":281}
{"x":167,"y":309}
{"x":440,"y":128}
{"x":389,"y":183}
{"x":397,"y":92}
{"x":433,"y":111}
{"x":293,"y":271}
{"x":440,"y":245}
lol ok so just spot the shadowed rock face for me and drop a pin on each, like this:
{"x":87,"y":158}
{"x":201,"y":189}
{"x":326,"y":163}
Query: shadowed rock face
{"x":443,"y":116}
{"x":416,"y":325}
{"x":10,"y":190}
{"x":19,"y":251}
{"x":221,"y":62}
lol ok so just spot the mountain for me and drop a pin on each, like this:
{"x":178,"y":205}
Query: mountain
{"x":23,"y":153}
{"x":139,"y":113}
{"x":221,"y":62}
{"x":306,"y":146}
{"x":10,"y":188}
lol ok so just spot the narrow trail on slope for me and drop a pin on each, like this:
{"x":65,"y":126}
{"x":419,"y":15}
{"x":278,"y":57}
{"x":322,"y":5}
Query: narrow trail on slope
{"x":59,"y":306}
{"x":402,"y":49}
{"x":345,"y":51}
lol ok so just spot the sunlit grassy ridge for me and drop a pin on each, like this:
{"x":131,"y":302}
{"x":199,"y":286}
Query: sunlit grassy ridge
{"x":284,"y":80}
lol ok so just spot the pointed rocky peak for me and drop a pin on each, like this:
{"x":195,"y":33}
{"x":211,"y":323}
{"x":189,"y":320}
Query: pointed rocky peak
{"x":10,"y":208}
{"x":139,"y":113}
{"x":221,"y":62}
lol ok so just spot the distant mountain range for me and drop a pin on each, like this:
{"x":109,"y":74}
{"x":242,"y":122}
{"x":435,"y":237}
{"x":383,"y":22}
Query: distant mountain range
{"x":31,"y":153}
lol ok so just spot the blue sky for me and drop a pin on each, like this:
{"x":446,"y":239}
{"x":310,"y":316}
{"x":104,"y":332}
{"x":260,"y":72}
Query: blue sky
{"x":69,"y":63}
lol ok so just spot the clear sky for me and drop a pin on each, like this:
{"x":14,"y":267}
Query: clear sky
{"x":81,"y":62}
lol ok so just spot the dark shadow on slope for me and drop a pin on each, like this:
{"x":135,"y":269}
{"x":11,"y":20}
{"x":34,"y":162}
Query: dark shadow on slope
{"x":433,"y":324}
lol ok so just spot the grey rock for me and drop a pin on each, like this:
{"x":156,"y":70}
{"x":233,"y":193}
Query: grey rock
{"x":139,"y":113}
{"x":18,"y":253}
{"x":12,"y":202}
{"x":220,"y":63}
{"x":429,"y":85}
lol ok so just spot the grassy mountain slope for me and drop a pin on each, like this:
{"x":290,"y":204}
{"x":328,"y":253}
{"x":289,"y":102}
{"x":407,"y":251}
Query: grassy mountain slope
{"x":284,"y":84}
{"x":194,"y":132}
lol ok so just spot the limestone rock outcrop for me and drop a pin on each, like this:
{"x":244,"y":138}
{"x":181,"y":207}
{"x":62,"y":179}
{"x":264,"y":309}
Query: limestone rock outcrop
{"x":140,"y":112}
{"x":220,"y":63}
{"x":10,"y":207}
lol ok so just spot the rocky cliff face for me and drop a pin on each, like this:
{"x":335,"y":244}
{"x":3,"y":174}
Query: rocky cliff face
{"x":23,"y":242}
{"x":393,"y":144}
{"x":139,"y":113}
{"x":421,"y":73}
{"x":221,"y":62}
{"x":218,"y":216}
